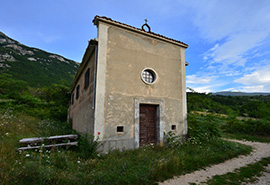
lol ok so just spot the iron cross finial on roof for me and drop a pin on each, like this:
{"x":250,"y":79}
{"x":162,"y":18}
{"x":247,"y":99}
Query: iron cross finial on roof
{"x":145,"y":24}
{"x":145,"y":21}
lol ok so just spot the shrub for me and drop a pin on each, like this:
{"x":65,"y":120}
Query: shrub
{"x":251,"y":126}
{"x":203,"y":128}
{"x":88,"y":146}
{"x":173,"y":140}
{"x":10,"y":88}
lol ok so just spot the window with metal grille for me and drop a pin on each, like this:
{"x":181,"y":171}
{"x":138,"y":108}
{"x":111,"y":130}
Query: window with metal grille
{"x":72,"y":98}
{"x":86,"y":78}
{"x":77,"y":92}
{"x":148,"y":76}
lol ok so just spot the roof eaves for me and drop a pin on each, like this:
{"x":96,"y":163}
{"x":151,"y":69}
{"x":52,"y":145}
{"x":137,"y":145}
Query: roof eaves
{"x":151,"y":34}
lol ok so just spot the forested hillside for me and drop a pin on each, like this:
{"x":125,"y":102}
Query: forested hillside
{"x":33,"y":81}
{"x":249,"y":106}
{"x":36,"y":67}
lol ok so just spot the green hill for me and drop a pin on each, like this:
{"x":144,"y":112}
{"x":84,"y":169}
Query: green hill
{"x":252,"y":106}
{"x":229,"y":93}
{"x":36,"y":67}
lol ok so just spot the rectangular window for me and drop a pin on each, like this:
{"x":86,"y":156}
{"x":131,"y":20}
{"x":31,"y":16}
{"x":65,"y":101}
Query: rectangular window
{"x":77,"y":92}
{"x":86,"y":78}
{"x":92,"y":75}
{"x":120,"y":128}
{"x":72,"y":98}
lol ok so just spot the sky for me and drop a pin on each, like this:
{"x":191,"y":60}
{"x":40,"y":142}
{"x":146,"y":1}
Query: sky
{"x":228,"y":40}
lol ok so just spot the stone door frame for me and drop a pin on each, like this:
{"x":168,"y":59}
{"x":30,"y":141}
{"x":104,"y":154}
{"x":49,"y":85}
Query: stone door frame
{"x":160,"y":119}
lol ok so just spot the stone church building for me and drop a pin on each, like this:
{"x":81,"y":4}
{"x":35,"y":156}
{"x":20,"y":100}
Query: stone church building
{"x":130,"y":88}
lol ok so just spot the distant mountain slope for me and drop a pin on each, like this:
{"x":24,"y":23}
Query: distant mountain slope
{"x":35,"y":66}
{"x":229,"y":93}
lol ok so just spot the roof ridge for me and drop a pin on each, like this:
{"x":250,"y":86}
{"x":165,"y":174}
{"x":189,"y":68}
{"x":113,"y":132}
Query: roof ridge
{"x":149,"y":32}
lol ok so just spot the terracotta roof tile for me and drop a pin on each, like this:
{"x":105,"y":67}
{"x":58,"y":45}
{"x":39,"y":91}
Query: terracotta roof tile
{"x":151,"y":33}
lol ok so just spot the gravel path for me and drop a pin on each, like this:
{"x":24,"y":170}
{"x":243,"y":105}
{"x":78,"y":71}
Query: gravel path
{"x":260,"y":150}
{"x":264,"y":179}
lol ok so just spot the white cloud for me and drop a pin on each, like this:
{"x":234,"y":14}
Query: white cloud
{"x":239,"y":33}
{"x":217,"y":19}
{"x":214,"y":48}
{"x":211,"y":86}
{"x":204,"y":89}
{"x":257,"y":81}
{"x":236,"y":47}
{"x":255,"y":88}
{"x":207,"y":88}
{"x":257,"y":77}
{"x":231,"y":89}
{"x":233,"y":73}
{"x":193,"y":79}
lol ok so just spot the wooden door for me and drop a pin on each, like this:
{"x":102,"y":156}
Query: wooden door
{"x":148,"y":124}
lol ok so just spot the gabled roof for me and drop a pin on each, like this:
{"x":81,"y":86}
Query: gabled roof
{"x":149,"y":33}
{"x":89,"y":50}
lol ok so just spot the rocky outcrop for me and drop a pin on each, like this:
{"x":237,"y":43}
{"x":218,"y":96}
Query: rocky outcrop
{"x":21,"y":50}
{"x":3,"y":65}
{"x":32,"y":59}
{"x":59,"y":58}
{"x":7,"y":57}
{"x":6,"y":40}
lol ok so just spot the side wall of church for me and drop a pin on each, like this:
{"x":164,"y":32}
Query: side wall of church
{"x":81,"y":111}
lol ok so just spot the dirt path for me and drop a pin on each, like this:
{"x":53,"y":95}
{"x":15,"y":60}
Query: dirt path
{"x":260,"y":150}
{"x":264,"y":179}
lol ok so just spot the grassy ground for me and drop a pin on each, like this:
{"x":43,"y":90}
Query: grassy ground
{"x":246,"y":174}
{"x":143,"y":166}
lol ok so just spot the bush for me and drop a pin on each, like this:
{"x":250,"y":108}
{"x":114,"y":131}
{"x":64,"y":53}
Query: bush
{"x":88,"y":146}
{"x":46,"y":102}
{"x":251,"y":126}
{"x":10,"y":88}
{"x":173,"y":140}
{"x":203,"y":128}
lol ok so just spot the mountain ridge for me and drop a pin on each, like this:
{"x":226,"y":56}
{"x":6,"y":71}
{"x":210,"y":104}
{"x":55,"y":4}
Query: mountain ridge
{"x":35,"y":66}
{"x":230,"y":93}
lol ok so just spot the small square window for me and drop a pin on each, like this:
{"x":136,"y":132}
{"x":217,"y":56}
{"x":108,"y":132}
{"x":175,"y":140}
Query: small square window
{"x":120,"y":129}
{"x":173,"y":127}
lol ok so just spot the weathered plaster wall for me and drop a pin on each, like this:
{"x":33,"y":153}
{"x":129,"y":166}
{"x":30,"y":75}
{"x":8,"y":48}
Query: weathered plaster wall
{"x":127,"y":54}
{"x":81,"y":111}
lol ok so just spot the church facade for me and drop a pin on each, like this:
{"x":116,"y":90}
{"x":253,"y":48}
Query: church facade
{"x":130,"y":88}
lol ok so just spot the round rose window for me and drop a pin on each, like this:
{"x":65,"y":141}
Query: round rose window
{"x":149,"y":76}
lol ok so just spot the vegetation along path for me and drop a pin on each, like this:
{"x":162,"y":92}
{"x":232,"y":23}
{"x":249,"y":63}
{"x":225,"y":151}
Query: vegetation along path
{"x":260,"y":150}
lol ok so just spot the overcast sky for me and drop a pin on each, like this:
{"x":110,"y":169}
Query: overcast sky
{"x":228,"y":40}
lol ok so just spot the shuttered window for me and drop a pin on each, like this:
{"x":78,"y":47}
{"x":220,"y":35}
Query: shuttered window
{"x":86,"y":78}
{"x":77,"y":92}
{"x":72,"y":98}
